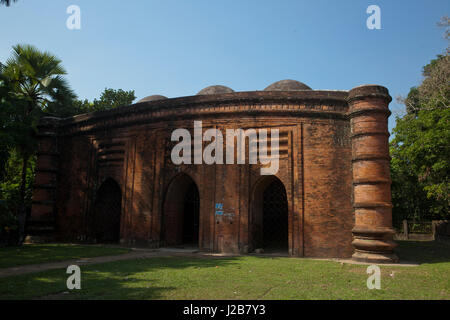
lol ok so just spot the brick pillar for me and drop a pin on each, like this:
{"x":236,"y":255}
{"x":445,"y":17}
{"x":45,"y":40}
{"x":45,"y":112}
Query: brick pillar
{"x":42,"y":221}
{"x":373,"y":232}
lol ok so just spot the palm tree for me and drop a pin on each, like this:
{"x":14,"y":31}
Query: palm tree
{"x":35,"y":85}
{"x":7,"y":2}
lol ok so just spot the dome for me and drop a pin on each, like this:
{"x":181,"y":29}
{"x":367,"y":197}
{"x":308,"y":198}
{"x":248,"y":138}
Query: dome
{"x":215,"y":90}
{"x":155,"y":97}
{"x":287,"y":85}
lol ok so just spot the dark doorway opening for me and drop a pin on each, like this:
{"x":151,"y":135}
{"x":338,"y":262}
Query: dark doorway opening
{"x":270,"y":225}
{"x":191,"y":216}
{"x":181,"y":218}
{"x":275,"y":217}
{"x":106,"y":213}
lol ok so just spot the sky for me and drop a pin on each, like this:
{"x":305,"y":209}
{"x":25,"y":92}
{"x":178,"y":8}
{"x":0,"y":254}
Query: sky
{"x":176,"y":48}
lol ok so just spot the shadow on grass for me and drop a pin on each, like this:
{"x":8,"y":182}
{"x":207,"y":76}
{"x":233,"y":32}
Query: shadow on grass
{"x":181,"y":276}
{"x":130,"y":279}
{"x":42,"y":253}
{"x":423,"y":251}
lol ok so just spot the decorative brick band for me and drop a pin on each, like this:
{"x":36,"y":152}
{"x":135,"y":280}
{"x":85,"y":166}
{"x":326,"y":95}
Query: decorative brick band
{"x":105,"y":153}
{"x":52,"y":154}
{"x":361,"y":134}
{"x":370,"y":157}
{"x":45,"y":170}
{"x":111,"y":160}
{"x":369,"y":91}
{"x":372,"y":205}
{"x":44,"y":202}
{"x":369,"y":181}
{"x":44,"y":186}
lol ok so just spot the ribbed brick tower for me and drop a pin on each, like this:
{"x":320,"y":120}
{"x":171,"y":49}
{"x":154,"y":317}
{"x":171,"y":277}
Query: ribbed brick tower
{"x":42,"y":221}
{"x":369,"y":112}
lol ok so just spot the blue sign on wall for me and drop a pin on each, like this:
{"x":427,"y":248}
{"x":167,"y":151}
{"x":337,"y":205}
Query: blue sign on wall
{"x":219,"y":209}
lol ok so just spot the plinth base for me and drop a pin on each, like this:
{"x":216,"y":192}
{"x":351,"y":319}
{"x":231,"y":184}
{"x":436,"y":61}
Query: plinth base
{"x":372,"y":257}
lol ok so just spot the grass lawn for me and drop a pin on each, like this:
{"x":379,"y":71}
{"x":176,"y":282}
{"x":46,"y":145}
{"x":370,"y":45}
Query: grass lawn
{"x":246,"y":277}
{"x":41,"y":253}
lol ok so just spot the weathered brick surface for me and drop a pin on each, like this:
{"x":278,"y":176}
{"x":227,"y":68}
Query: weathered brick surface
{"x":328,"y":189}
{"x":368,"y":110}
{"x":318,"y":144}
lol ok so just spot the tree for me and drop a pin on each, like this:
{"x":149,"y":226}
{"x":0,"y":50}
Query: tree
{"x":445,"y":23}
{"x":109,"y":99}
{"x":7,"y":2}
{"x":32,"y":86}
{"x":31,"y":83}
{"x":420,"y":149}
{"x":420,"y":165}
{"x":10,"y":202}
{"x":434,"y":92}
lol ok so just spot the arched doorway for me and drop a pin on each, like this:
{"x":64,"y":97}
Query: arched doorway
{"x":270,"y":220}
{"x":107,"y":211}
{"x":181,"y":213}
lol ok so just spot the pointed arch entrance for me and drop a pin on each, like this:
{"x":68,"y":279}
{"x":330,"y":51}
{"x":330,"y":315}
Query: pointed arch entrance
{"x":181,"y":213}
{"x":270,"y":216}
{"x":107,"y":212}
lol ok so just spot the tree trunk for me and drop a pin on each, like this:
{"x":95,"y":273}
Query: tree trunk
{"x":22,"y":214}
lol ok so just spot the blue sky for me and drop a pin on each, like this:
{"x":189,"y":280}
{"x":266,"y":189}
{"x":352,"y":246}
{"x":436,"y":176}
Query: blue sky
{"x":176,"y":48}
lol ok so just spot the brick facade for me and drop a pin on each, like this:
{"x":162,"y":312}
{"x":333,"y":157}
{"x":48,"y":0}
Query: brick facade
{"x":334,"y":166}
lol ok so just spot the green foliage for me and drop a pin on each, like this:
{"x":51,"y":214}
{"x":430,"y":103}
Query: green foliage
{"x":420,"y":150}
{"x":7,"y":2}
{"x":8,"y":223}
{"x":9,"y":186}
{"x":109,"y":99}
{"x":10,"y":199}
{"x":31,"y":86}
{"x":434,"y":92}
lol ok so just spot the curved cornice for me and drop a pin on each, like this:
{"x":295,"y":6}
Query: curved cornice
{"x":296,"y":103}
